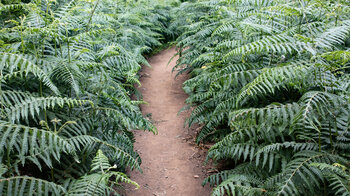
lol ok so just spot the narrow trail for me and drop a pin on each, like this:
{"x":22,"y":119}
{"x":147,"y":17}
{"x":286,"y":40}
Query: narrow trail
{"x":171,"y":166}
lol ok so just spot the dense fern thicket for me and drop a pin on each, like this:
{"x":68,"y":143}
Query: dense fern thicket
{"x":270,"y":86}
{"x":67,"y":70}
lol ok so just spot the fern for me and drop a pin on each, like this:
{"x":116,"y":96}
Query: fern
{"x":32,"y":106}
{"x":25,"y":185}
{"x":98,"y":183}
{"x":32,"y":144}
{"x":19,"y":65}
{"x":67,"y":75}
{"x":269,"y":86}
{"x":337,"y":175}
{"x":271,"y":79}
{"x":298,"y":169}
{"x":238,"y":188}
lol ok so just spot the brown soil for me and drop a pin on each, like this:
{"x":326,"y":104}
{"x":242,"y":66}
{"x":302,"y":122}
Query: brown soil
{"x":172,"y":165}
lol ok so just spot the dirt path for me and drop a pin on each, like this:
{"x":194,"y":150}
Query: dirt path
{"x":171,"y":166}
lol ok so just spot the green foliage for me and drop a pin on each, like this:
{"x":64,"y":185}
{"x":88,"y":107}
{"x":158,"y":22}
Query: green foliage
{"x":99,"y":181}
{"x":270,"y":86}
{"x":68,"y":69}
{"x":24,"y":185}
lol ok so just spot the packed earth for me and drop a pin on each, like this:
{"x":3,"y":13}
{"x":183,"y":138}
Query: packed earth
{"x":170,"y":164}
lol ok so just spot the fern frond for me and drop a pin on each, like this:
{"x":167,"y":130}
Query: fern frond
{"x":33,"y":106}
{"x":239,"y":184}
{"x":299,"y":174}
{"x":99,"y":183}
{"x":69,"y":74}
{"x":334,"y":36}
{"x":32,"y":144}
{"x":25,"y":185}
{"x":11,"y":7}
{"x":337,"y":176}
{"x":100,"y":162}
{"x":78,"y":142}
{"x":272,"y":79}
{"x":15,"y":62}
{"x":11,"y":97}
{"x":274,"y":114}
